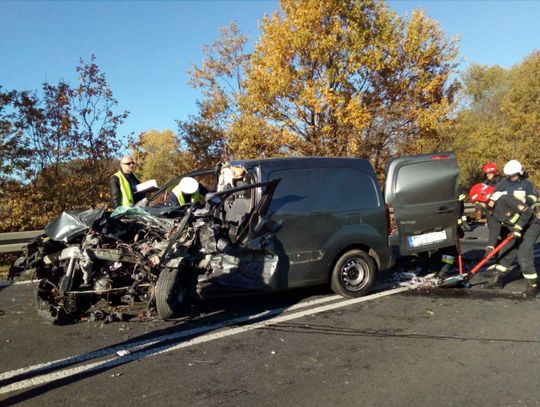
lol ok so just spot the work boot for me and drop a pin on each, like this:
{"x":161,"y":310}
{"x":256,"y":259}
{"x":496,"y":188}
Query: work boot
{"x":531,"y":290}
{"x":497,"y":281}
{"x":444,"y":272}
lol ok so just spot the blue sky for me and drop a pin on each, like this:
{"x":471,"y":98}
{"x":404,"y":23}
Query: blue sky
{"x":145,"y":48}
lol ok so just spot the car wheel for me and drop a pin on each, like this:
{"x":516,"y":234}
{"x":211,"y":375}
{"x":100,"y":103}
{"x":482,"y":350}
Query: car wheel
{"x":171,"y":293}
{"x":353,"y":274}
{"x":48,"y":309}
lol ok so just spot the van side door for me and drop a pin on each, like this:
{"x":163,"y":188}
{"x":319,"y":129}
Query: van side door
{"x":422,"y":192}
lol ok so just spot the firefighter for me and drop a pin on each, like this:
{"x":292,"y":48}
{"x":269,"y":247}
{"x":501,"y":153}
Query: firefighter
{"x":491,"y":177}
{"x":525,"y":227}
{"x":449,"y":254}
{"x":517,"y":184}
{"x":123,"y":184}
{"x":491,"y":174}
{"x":187,"y":191}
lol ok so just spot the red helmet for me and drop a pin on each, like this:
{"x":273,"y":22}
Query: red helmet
{"x":489,"y":168}
{"x":481,"y":193}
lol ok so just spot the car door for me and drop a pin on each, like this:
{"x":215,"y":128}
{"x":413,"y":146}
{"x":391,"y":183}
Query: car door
{"x":422,"y":196}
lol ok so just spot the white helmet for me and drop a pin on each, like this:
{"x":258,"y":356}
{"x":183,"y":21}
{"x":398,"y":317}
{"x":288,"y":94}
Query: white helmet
{"x":188,"y":185}
{"x":513,"y":167}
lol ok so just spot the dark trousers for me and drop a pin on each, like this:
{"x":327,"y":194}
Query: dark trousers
{"x":523,"y":249}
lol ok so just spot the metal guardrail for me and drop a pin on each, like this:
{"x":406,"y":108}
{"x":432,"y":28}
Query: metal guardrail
{"x":14,"y":242}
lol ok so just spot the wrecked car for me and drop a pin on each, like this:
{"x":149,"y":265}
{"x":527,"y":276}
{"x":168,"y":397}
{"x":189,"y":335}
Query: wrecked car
{"x":277,"y":224}
{"x":95,"y":263}
{"x":268,"y":225}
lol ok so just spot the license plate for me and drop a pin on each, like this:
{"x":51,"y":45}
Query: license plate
{"x":427,"y":239}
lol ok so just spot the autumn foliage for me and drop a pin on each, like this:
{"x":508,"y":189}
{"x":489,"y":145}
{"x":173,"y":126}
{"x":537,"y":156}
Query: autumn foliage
{"x":325,"y":78}
{"x":58,"y":149}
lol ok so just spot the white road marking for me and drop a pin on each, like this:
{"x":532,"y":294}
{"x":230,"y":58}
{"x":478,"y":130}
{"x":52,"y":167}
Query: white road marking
{"x":143,"y":353}
{"x":133,"y":346}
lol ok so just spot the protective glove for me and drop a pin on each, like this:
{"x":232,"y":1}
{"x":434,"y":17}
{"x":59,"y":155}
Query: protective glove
{"x":489,"y":249}
{"x":516,"y":232}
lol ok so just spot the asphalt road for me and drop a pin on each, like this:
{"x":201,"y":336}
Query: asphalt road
{"x":398,"y":347}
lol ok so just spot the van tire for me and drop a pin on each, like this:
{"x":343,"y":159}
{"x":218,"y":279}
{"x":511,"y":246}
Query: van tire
{"x":171,"y":292}
{"x":353,"y":274}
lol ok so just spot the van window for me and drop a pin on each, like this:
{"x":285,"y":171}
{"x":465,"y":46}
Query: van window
{"x":414,"y":186}
{"x":322,"y":190}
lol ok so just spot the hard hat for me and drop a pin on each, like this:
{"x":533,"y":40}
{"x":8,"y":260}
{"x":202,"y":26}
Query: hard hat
{"x":490,"y":168}
{"x":513,"y":167}
{"x":481,"y":193}
{"x":188,"y":185}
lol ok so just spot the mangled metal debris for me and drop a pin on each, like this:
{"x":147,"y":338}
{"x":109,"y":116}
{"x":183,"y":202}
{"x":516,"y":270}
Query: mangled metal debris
{"x":96,"y":265}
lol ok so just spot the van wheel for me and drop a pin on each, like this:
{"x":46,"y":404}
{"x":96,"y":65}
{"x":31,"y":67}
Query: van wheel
{"x":353,"y":274}
{"x":170,"y":293}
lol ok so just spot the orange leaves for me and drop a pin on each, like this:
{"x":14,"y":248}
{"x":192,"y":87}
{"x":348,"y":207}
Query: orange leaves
{"x":350,"y":77}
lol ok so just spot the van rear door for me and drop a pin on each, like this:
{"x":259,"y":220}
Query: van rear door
{"x":422,"y":193}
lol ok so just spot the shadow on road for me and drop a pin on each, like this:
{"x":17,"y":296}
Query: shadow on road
{"x":204,"y":318}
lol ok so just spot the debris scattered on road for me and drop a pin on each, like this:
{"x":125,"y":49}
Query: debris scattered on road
{"x":413,"y":279}
{"x":123,"y":352}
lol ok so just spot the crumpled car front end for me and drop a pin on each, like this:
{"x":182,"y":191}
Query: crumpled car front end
{"x":211,"y":256}
{"x":85,"y":256}
{"x":96,"y":265}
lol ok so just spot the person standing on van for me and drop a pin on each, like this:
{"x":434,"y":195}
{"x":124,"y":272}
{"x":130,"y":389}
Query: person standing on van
{"x":123,"y":184}
{"x":525,"y":227}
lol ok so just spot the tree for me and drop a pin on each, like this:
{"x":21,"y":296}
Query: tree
{"x":521,"y":106}
{"x":478,"y":121}
{"x":14,"y":154}
{"x":70,"y":133}
{"x":159,"y":156}
{"x":96,"y":125}
{"x":350,"y":78}
{"x":220,"y":78}
{"x":201,"y":138}
{"x":498,"y":118}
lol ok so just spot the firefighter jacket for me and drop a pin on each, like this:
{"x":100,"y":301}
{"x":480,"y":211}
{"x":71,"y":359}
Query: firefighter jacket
{"x":523,"y":189}
{"x":512,"y":213}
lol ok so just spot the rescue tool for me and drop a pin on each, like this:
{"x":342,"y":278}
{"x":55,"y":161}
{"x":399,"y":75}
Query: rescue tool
{"x":461,"y":280}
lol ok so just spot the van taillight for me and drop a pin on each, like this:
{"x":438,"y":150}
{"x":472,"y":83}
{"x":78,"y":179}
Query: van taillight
{"x":391,"y":225}
{"x":440,"y":157}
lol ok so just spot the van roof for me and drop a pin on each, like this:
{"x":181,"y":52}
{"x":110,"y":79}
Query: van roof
{"x":269,"y":164}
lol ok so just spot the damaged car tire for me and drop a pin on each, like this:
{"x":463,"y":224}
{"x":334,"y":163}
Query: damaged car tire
{"x":53,"y":313}
{"x":353,"y":274}
{"x":171,"y":291}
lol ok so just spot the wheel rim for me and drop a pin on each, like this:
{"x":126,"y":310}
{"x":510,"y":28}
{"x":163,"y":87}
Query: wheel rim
{"x":354,"y":274}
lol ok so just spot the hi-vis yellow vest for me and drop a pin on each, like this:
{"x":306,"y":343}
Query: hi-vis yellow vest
{"x":181,"y":200}
{"x":125,"y":189}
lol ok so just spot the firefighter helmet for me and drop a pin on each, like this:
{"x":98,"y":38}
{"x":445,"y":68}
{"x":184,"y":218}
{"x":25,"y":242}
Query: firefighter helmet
{"x":490,"y":168}
{"x":481,"y":193}
{"x":513,"y":167}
